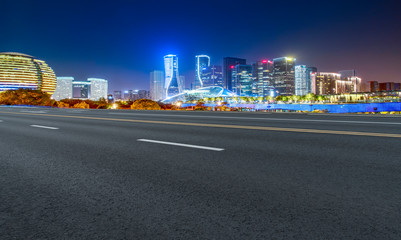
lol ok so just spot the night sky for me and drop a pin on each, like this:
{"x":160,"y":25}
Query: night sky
{"x":123,"y":41}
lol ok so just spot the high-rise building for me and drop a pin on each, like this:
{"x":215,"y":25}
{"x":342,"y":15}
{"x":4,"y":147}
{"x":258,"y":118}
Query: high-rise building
{"x":157,"y":91}
{"x":98,"y":88}
{"x":202,"y":61}
{"x":284,"y":75}
{"x":212,"y":76}
{"x":303,"y":79}
{"x":63,"y":89}
{"x":117,"y":95}
{"x":182,"y":83}
{"x":172,"y":83}
{"x":229,"y":64}
{"x":242,"y":80}
{"x":262,"y":75}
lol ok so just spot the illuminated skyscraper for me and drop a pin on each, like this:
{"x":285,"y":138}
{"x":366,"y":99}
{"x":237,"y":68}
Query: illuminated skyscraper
{"x":202,"y":62}
{"x":171,"y":79}
{"x":157,"y":91}
{"x":303,"y":79}
{"x":212,"y":76}
{"x":117,"y":95}
{"x":98,"y":89}
{"x":242,"y":80}
{"x":229,"y":65}
{"x":63,"y":88}
{"x":263,"y":82}
{"x":284,"y":76}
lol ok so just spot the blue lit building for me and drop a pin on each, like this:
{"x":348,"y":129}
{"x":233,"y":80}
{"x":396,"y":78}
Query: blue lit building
{"x":229,"y":64}
{"x":172,"y":82}
{"x":262,"y":75}
{"x":212,"y":76}
{"x":202,"y":62}
{"x":242,"y":80}
{"x":303,"y":79}
{"x":200,"y":93}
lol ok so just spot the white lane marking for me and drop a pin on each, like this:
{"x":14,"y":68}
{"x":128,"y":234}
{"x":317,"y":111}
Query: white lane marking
{"x":181,"y":145}
{"x":39,"y":126}
{"x":263,"y":119}
{"x":33,"y":111}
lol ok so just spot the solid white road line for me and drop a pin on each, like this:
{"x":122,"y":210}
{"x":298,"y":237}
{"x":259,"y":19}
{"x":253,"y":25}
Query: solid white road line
{"x":181,"y":145}
{"x":46,"y":127}
{"x":262,"y":119}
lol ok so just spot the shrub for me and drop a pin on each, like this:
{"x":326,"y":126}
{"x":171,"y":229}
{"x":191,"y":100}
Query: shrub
{"x":145,"y":104}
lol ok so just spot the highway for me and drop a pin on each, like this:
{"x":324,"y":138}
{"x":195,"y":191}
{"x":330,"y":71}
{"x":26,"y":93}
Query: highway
{"x":123,"y":174}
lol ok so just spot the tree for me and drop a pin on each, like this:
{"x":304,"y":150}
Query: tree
{"x":145,"y":104}
{"x":26,"y":97}
{"x":310,"y":97}
{"x":81,"y":105}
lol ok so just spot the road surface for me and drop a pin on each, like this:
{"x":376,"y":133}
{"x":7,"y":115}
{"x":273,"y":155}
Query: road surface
{"x":115,"y":174}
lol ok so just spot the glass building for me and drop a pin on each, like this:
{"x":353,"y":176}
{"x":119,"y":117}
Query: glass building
{"x":242,"y":80}
{"x":284,"y":76}
{"x":303,"y":79}
{"x":157,"y":91}
{"x":212,"y":76}
{"x":117,"y":95}
{"x":63,"y":89}
{"x":228,"y":65}
{"x":172,"y":83}
{"x":98,"y":88}
{"x":19,"y":70}
{"x":202,"y":62}
{"x":262,"y":75}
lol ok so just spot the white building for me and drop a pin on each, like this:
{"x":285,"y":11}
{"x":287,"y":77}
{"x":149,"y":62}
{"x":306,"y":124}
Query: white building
{"x":157,"y":90}
{"x":63,"y":88}
{"x":98,"y":88}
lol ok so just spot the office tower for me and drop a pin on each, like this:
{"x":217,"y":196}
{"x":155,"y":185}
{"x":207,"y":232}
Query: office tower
{"x":98,"y":88}
{"x":117,"y":95}
{"x":172,"y":83}
{"x":242,"y":80}
{"x":284,"y":75}
{"x":212,"y":76}
{"x":303,"y":79}
{"x":128,"y":95}
{"x":202,"y":61}
{"x":157,"y":91}
{"x":182,"y":83}
{"x":229,"y":64}
{"x":81,"y":89}
{"x":63,"y":89}
{"x":262,"y":75}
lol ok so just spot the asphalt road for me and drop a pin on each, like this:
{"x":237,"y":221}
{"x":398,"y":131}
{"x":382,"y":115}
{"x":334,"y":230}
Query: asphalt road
{"x":114,"y":174}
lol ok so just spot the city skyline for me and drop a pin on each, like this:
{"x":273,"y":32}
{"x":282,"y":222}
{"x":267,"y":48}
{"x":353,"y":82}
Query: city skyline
{"x":90,"y":46}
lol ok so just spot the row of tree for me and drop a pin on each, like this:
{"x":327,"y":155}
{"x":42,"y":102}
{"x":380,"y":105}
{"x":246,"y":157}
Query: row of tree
{"x":39,"y":98}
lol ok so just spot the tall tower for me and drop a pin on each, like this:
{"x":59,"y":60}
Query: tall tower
{"x":229,"y":65}
{"x":284,"y":75}
{"x":157,"y":85}
{"x":202,"y":62}
{"x":171,"y":79}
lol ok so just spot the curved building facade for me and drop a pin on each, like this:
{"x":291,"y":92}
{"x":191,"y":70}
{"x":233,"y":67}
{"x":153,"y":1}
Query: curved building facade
{"x":200,"y":93}
{"x":19,"y":70}
{"x":202,"y":62}
{"x":172,"y":83}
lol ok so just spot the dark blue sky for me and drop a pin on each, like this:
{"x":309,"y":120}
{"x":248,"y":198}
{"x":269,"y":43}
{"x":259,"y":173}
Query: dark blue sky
{"x":123,"y":41}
